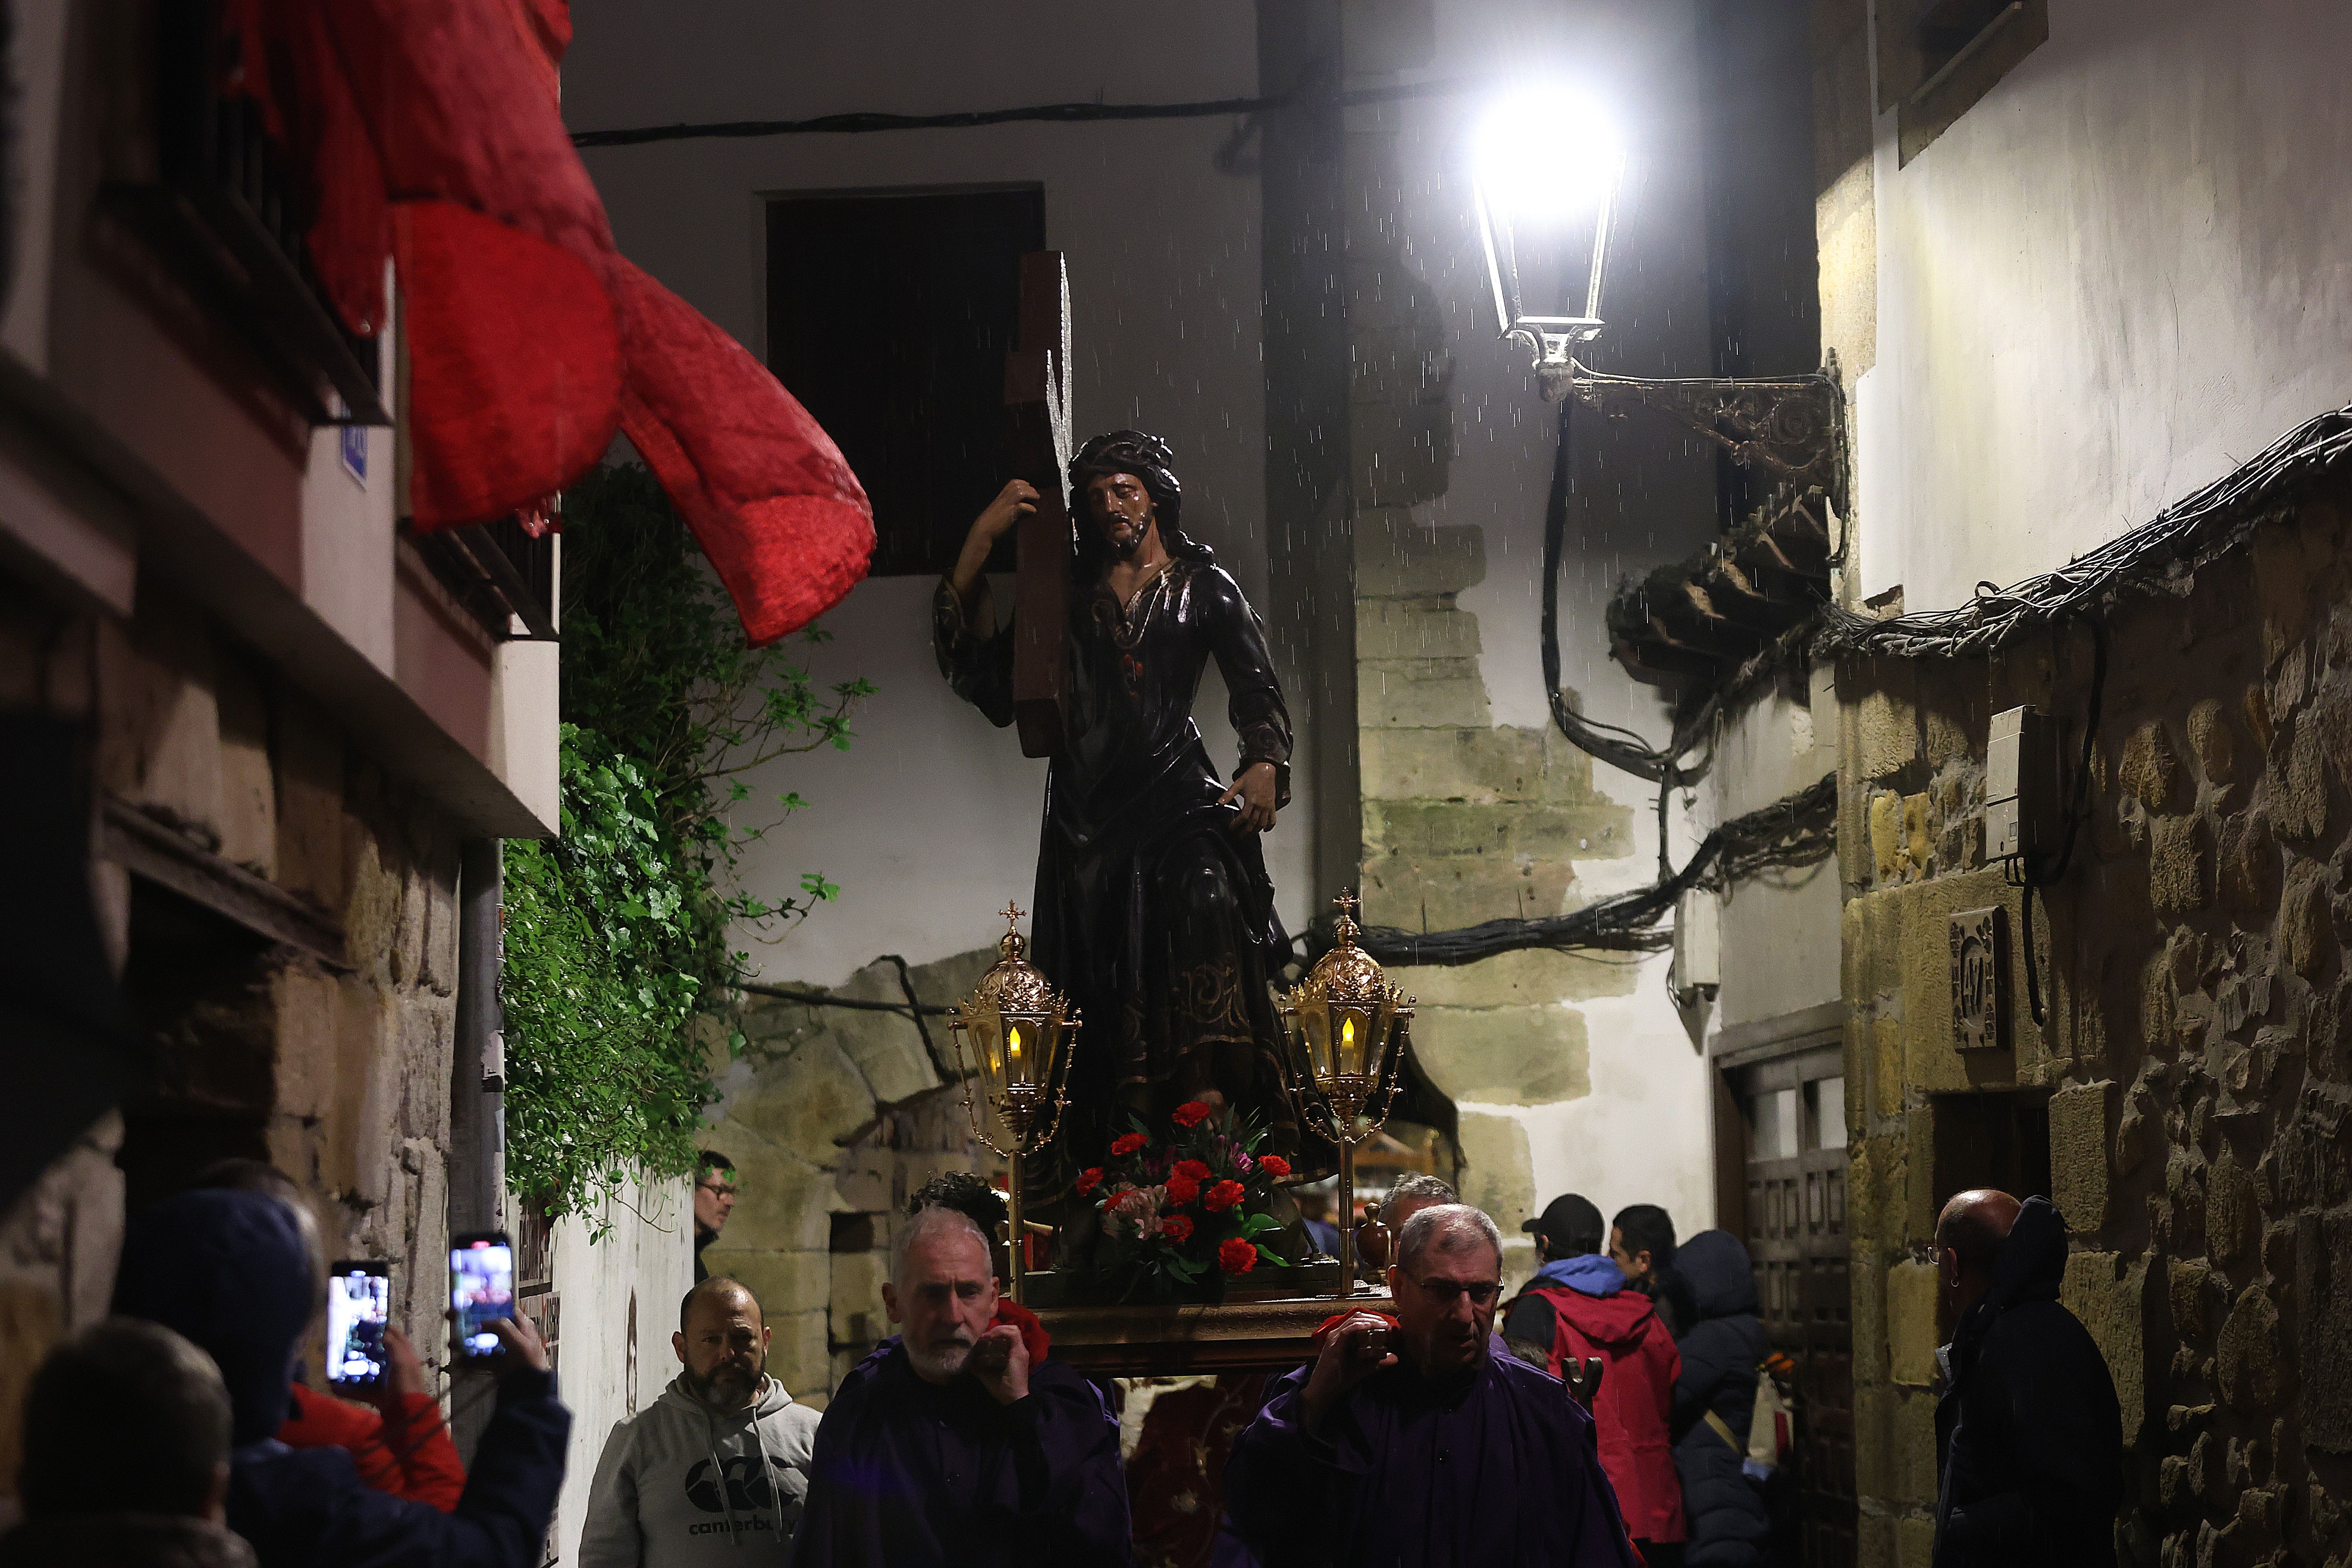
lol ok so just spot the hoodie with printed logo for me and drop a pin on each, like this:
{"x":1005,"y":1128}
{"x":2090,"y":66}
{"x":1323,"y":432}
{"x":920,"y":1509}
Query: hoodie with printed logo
{"x":684,"y":1486}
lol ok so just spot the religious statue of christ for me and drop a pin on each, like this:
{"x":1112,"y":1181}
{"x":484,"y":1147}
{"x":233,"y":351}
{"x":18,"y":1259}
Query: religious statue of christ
{"x":1154,"y":912}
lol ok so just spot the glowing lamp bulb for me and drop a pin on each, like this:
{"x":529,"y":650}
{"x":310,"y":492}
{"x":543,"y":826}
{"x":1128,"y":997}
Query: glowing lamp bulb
{"x":1547,"y":154}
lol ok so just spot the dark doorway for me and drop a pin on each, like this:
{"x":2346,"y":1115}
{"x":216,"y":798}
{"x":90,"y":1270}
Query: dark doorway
{"x":1791,"y":1124}
{"x":1992,"y":1140}
{"x":199,"y":984}
{"x":889,"y":314}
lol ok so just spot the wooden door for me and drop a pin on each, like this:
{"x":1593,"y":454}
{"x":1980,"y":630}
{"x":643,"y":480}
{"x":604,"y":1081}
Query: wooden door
{"x":1791,"y":1110}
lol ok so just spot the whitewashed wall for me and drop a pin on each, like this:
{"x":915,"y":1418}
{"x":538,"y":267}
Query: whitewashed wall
{"x":645,"y":1261}
{"x":2119,"y":275}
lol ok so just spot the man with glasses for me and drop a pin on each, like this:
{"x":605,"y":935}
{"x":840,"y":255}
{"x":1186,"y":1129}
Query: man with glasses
{"x":714,"y":1200}
{"x":1408,"y":1441}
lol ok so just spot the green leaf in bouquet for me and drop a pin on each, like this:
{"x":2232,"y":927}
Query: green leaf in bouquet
{"x":1265,"y":1255}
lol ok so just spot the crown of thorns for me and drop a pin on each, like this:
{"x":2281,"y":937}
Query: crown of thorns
{"x":1147,"y":457}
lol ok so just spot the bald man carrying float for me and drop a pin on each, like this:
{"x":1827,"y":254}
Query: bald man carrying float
{"x":715,"y":1472}
{"x":2029,"y":1438}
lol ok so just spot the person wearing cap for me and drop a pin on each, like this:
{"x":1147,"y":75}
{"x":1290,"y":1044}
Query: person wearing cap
{"x":1578,"y":1306}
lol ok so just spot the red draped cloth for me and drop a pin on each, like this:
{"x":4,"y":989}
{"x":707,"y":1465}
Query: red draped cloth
{"x":431,"y":137}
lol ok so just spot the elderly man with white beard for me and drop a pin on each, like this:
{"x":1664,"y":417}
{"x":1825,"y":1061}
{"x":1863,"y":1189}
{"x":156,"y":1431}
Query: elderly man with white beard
{"x":958,"y":1441}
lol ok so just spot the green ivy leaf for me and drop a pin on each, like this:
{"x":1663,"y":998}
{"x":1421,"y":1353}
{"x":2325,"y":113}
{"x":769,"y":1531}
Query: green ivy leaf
{"x":617,"y":931}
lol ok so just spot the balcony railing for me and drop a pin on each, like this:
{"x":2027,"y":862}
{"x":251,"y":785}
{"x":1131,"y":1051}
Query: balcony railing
{"x":226,"y":207}
{"x":500,"y":573}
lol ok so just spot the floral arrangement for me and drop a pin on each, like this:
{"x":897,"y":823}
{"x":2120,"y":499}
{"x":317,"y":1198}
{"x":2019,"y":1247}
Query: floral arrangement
{"x":1188,"y":1205}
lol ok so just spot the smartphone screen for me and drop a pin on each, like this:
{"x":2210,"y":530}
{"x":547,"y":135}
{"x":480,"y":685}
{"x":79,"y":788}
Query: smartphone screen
{"x":359,"y":1304}
{"x":481,"y":1286}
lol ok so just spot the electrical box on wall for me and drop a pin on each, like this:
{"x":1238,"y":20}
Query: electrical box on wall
{"x":1698,"y":945}
{"x":2023,"y":815}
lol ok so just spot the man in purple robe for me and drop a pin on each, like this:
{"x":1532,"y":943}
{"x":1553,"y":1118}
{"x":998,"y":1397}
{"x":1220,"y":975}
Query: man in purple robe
{"x":1417,"y":1444}
{"x":958,"y":1442}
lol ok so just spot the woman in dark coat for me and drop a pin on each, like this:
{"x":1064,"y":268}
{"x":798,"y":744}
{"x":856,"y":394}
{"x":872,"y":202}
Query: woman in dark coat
{"x":1720,"y":1349}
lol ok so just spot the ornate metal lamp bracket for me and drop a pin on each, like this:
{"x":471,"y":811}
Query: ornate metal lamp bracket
{"x":1792,"y":427}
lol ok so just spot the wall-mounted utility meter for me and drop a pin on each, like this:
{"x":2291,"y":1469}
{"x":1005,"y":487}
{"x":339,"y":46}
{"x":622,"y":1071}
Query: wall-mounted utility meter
{"x":2024,"y":815}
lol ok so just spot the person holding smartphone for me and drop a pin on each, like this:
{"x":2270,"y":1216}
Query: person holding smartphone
{"x":397,"y":1440}
{"x":388,"y":1423}
{"x":233,"y":1273}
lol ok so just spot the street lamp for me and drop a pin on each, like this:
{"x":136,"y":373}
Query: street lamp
{"x":1552,"y":157}
{"x":1548,"y":159}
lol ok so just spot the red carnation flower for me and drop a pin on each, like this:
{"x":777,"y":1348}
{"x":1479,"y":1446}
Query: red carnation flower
{"x":1182,"y":1190}
{"x":1237,"y":1254}
{"x":1176,"y":1228}
{"x":1196,"y":1170}
{"x":1090,"y":1179}
{"x":1128,"y":1144}
{"x":1192,"y":1113}
{"x":1275,"y":1167}
{"x":1223,"y":1197}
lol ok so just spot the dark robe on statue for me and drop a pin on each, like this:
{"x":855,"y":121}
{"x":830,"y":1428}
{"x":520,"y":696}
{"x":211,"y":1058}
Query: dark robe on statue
{"x":1154,"y":917}
{"x":909,"y":1473}
{"x":1494,"y":1469}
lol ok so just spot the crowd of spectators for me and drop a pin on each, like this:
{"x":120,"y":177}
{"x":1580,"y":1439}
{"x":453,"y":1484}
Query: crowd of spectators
{"x":1419,"y":1433}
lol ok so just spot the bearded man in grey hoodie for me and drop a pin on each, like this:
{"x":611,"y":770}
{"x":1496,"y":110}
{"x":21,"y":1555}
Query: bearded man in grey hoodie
{"x":717,"y":1471}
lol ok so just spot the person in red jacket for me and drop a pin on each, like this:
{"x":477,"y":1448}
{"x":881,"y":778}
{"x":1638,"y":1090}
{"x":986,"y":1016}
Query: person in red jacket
{"x":400,"y":1446}
{"x":1578,"y":1306}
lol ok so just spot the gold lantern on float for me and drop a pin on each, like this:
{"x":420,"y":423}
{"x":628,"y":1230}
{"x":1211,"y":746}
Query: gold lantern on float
{"x":1347,"y":1016}
{"x":1018,"y":1029}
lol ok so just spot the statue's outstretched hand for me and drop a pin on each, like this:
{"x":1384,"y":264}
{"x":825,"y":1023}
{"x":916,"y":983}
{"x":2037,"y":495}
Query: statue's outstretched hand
{"x":1256,"y":791}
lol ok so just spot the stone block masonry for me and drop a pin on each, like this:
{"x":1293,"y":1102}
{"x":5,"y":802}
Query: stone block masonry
{"x":2186,"y":1100}
{"x":1467,"y":821}
{"x":334,"y":1067}
{"x":833,"y":1117}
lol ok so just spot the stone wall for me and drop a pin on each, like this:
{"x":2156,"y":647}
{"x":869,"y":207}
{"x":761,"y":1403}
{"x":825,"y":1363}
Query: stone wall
{"x":1465,"y":821}
{"x":2185,"y":1100}
{"x":832,"y":1117}
{"x":338,"y":1072}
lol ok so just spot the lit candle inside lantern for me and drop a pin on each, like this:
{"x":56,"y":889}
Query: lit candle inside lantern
{"x":1012,"y":1041}
{"x":1346,"y":1062}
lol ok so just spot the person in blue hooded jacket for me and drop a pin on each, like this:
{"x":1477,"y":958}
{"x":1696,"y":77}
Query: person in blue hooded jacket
{"x":231,"y":1272}
{"x":1714,"y":1400}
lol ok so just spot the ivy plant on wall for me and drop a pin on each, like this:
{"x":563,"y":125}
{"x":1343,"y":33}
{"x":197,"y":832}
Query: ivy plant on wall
{"x":619,"y":934}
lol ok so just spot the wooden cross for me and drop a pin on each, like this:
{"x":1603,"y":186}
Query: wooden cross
{"x":1038,"y":410}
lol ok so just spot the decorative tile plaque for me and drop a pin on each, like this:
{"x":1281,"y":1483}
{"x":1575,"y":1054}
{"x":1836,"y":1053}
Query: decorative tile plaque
{"x":1980,"y":979}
